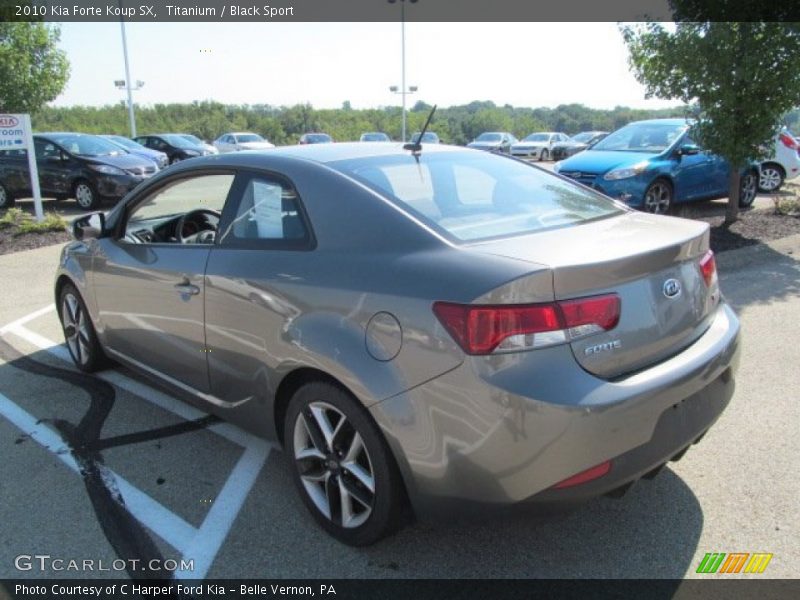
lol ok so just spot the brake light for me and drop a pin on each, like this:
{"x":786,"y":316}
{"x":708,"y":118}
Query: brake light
{"x":789,"y":141}
{"x":484,"y":329}
{"x":708,"y":267}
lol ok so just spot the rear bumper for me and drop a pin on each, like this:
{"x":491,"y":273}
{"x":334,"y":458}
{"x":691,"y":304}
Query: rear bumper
{"x":501,"y":432}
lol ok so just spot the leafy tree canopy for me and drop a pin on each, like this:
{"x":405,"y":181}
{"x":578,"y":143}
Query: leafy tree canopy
{"x":33,"y":70}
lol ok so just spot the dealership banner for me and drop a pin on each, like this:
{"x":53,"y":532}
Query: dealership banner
{"x":261,"y":11}
{"x":404,"y":589}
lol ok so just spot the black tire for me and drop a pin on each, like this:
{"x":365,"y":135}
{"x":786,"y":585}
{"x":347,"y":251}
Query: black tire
{"x":748,"y":189}
{"x":79,"y":333}
{"x":658,"y":197}
{"x":7,"y":200}
{"x":544,"y":155}
{"x":771,"y":178}
{"x":175,"y":159}
{"x":85,"y":195}
{"x":320,"y":468}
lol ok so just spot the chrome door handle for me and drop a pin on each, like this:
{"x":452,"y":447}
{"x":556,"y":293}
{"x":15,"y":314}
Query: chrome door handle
{"x":187,"y":288}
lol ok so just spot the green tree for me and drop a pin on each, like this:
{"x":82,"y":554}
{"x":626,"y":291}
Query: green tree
{"x":742,"y":75}
{"x":33,"y":71}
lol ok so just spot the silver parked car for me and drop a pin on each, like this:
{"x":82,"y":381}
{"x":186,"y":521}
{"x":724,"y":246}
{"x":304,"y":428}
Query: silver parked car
{"x":448,"y":328}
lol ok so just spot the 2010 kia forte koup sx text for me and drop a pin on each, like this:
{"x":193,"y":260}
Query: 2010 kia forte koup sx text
{"x":421,"y":326}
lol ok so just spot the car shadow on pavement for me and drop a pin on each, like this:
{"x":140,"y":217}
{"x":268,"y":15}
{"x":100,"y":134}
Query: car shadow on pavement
{"x":758,"y":275}
{"x":652,"y":532}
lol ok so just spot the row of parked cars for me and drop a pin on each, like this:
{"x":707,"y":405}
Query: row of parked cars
{"x":648,"y":164}
{"x":93,"y":168}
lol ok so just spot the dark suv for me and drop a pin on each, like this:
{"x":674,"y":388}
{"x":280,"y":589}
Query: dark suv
{"x":85,"y":167}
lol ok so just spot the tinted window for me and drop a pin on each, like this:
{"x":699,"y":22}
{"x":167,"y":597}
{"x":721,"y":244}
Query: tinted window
{"x":268,"y":210}
{"x":13,"y":153}
{"x":249,"y":137}
{"x":478,"y":197}
{"x":488,"y":137}
{"x":45,"y":149}
{"x":537,"y":137}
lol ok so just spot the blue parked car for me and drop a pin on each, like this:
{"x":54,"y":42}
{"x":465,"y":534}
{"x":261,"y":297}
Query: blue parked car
{"x":161,"y":160}
{"x":654,"y":164}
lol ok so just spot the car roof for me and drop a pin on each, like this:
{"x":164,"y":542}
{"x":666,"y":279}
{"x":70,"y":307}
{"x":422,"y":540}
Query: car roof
{"x":319,"y":153}
{"x":671,"y":121}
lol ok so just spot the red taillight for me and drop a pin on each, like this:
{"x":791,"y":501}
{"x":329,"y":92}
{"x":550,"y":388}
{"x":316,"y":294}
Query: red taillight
{"x":788,"y":141}
{"x":599,"y":310}
{"x":585,"y":476}
{"x":482,"y":329}
{"x":708,"y":267}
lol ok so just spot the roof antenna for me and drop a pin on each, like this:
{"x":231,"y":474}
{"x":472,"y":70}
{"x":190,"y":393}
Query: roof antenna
{"x":417,"y":146}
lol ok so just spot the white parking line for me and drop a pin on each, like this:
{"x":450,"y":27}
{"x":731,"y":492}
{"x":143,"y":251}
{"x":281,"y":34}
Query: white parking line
{"x":199,"y":544}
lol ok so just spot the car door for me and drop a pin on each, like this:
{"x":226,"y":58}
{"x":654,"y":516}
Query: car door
{"x":14,"y":172}
{"x":55,"y":167}
{"x":692,"y":174}
{"x":250,"y":291}
{"x":149,"y":287}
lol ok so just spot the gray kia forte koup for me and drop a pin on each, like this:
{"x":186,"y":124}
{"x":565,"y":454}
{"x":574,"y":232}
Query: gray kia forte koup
{"x":428,"y":327}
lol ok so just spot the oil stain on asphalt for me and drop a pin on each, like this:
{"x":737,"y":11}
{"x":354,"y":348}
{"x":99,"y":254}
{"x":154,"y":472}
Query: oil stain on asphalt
{"x":130,"y":540}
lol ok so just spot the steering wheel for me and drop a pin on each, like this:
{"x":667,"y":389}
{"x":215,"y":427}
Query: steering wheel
{"x":185,"y":217}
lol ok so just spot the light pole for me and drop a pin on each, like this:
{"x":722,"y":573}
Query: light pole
{"x":127,"y":83}
{"x":403,"y":89}
{"x":403,"y":92}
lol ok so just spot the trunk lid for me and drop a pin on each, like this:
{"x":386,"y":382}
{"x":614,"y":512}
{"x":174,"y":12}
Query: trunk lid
{"x":651,"y":262}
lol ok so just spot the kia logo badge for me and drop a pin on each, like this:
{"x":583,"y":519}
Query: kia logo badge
{"x":672,"y":288}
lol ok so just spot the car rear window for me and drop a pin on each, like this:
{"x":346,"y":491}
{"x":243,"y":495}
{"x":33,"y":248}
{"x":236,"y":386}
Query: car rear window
{"x":472,"y":196}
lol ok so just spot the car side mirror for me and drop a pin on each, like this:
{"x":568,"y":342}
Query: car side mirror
{"x":89,"y":227}
{"x":688,"y":150}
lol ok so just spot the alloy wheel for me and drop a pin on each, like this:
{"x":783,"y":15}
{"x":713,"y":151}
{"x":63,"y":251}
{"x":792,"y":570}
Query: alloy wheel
{"x":658,"y":198}
{"x":334,"y":465}
{"x":76,"y":329}
{"x":770,"y":179}
{"x":748,"y":189}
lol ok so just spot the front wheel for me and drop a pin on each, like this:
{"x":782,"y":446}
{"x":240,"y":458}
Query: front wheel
{"x":544,"y":155}
{"x":658,"y":197}
{"x":341,"y":465}
{"x":79,"y":333}
{"x":748,"y":188}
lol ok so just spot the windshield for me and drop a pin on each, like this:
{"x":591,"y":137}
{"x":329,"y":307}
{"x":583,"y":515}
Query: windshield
{"x":124,"y":142}
{"x":248,"y":137}
{"x":374,"y":137}
{"x":537,"y":137}
{"x":178,"y":141}
{"x":318,"y":138}
{"x":648,"y":137}
{"x":428,"y":137}
{"x":87,"y":145}
{"x":488,"y":137}
{"x":193,"y":138}
{"x":475,"y":196}
{"x":582,"y":138}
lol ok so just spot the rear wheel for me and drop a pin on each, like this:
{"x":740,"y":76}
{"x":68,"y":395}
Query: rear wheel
{"x":85,"y":195}
{"x":6,"y":199}
{"x":79,"y":331}
{"x":748,"y":188}
{"x":544,"y":154}
{"x":771,"y":177}
{"x":341,"y":465}
{"x":658,"y":197}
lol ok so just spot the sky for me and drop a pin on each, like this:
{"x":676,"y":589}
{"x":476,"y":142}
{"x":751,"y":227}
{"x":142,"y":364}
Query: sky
{"x":326,"y":64}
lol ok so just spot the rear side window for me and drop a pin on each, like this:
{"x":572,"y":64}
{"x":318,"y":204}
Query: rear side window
{"x":472,"y":198}
{"x":269,"y":210}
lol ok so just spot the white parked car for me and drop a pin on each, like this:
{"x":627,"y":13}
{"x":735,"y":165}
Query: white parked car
{"x":782,"y":165}
{"x":243,"y":140}
{"x":538,"y":145}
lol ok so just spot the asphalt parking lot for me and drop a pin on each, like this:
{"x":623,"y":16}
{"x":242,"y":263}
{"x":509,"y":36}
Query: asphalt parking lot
{"x":109,"y":467}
